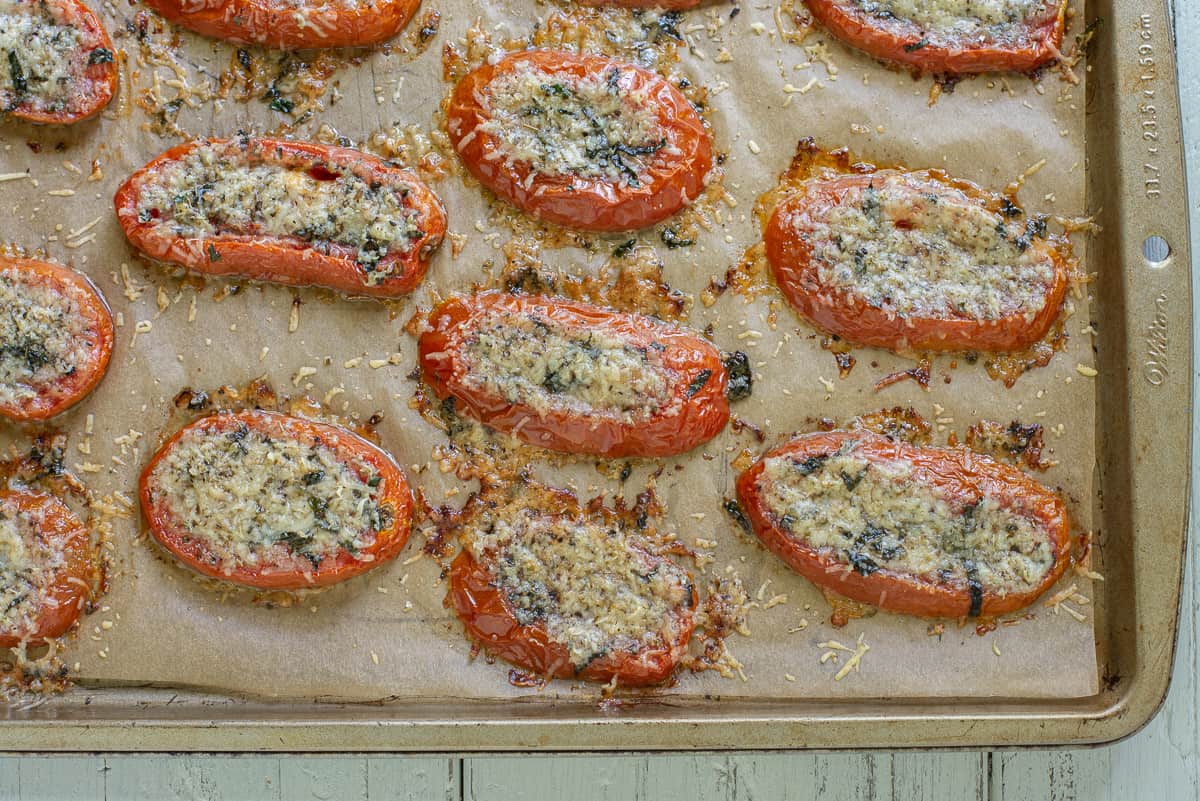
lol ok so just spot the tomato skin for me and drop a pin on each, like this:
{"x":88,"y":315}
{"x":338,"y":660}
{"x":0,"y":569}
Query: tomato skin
{"x":68,"y":592}
{"x":665,"y":5}
{"x":590,"y":204}
{"x":955,"y":471}
{"x":278,"y":25}
{"x":488,"y":617}
{"x":701,"y":417}
{"x":333,"y":569}
{"x":489,"y":620}
{"x":851,"y":317}
{"x":903,"y":42}
{"x":99,"y":81}
{"x":287,"y":259}
{"x":56,"y":399}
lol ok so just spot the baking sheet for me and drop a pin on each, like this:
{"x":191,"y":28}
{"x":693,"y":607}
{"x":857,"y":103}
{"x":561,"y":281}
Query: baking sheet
{"x":387,"y":635}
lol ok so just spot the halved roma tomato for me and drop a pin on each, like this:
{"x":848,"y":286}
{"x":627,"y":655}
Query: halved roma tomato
{"x":934,"y":532}
{"x":292,"y":25}
{"x":584,"y":141}
{"x":286,"y":212}
{"x":949,"y":38}
{"x":573,"y":377}
{"x":59,"y":63}
{"x":276,"y":502}
{"x":46,"y":567}
{"x":56,"y":337}
{"x":916,"y":260}
{"x":568,"y":593}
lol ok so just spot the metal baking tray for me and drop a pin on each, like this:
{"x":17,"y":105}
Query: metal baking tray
{"x":1136,"y":176}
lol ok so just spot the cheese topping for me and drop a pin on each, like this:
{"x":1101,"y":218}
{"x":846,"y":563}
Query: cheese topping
{"x":27,"y":567}
{"x":918,"y":248}
{"x":592,"y":586}
{"x":879,"y":516}
{"x":44,"y":337}
{"x":256,"y":500}
{"x":214,"y":190}
{"x":41,"y":57}
{"x":563,"y":125}
{"x":536,"y":361}
{"x":995,"y":19}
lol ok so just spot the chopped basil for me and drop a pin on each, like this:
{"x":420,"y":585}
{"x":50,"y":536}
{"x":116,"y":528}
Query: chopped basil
{"x":101,"y":55}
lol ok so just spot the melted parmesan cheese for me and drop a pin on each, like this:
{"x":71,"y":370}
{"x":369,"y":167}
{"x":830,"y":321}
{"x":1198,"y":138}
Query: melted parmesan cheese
{"x":27,"y":567}
{"x":592,"y":587}
{"x":540,"y":363}
{"x":214,"y":191}
{"x":39,"y":58}
{"x":918,"y":248}
{"x":563,"y":125}
{"x":252,"y":499}
{"x":41,"y":339}
{"x":875,"y":516}
{"x":959,"y":18}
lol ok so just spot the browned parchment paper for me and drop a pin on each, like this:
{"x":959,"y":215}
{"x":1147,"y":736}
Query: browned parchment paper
{"x":387,"y":635}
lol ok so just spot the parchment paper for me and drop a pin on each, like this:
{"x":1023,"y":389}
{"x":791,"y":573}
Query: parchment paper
{"x":387,"y":635}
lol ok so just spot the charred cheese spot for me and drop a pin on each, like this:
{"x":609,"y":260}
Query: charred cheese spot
{"x":995,"y":19}
{"x":44,"y":337}
{"x":878,"y":516}
{"x":256,"y":500}
{"x":918,"y":248}
{"x":27,"y":567}
{"x":536,"y":361}
{"x":592,"y":586}
{"x":41,"y":58}
{"x":564,"y":125}
{"x":215,"y":190}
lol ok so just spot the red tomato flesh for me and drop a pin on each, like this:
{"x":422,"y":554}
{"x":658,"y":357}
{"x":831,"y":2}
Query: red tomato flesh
{"x":617,"y":185}
{"x":282,"y":565}
{"x":685,"y":375}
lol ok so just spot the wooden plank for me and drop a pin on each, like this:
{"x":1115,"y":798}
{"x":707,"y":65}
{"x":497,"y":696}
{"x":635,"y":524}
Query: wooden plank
{"x":412,"y":779}
{"x":193,"y":778}
{"x":771,"y":777}
{"x":319,"y":778}
{"x":9,"y":779}
{"x":58,"y":778}
{"x":936,"y":776}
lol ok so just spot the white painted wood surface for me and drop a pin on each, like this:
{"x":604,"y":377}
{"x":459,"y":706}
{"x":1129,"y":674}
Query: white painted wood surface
{"x":1160,"y":763}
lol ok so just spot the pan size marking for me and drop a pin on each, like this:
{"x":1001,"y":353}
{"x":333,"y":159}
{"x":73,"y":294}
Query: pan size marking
{"x":1148,"y":114}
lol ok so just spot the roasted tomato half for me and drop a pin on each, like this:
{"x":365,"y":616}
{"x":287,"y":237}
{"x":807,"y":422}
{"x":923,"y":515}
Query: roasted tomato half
{"x":290,"y":25}
{"x":574,"y":377}
{"x":275,"y":502}
{"x":59,"y":63}
{"x":915,"y":260}
{"x":286,"y":212}
{"x":949,"y":37}
{"x":56,"y":337}
{"x":566,"y":592}
{"x":46,"y":567}
{"x":583,"y":141}
{"x":934,"y":532}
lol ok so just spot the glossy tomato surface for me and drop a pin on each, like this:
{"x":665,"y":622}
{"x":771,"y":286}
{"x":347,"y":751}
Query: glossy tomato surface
{"x":288,"y":571}
{"x":287,"y":259}
{"x":697,"y":411}
{"x":1019,"y":47}
{"x":958,"y":475}
{"x":291,"y":26}
{"x":850,"y":316}
{"x":93,"y":69}
{"x":589,"y":203}
{"x":95,"y":330}
{"x":67,"y":585}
